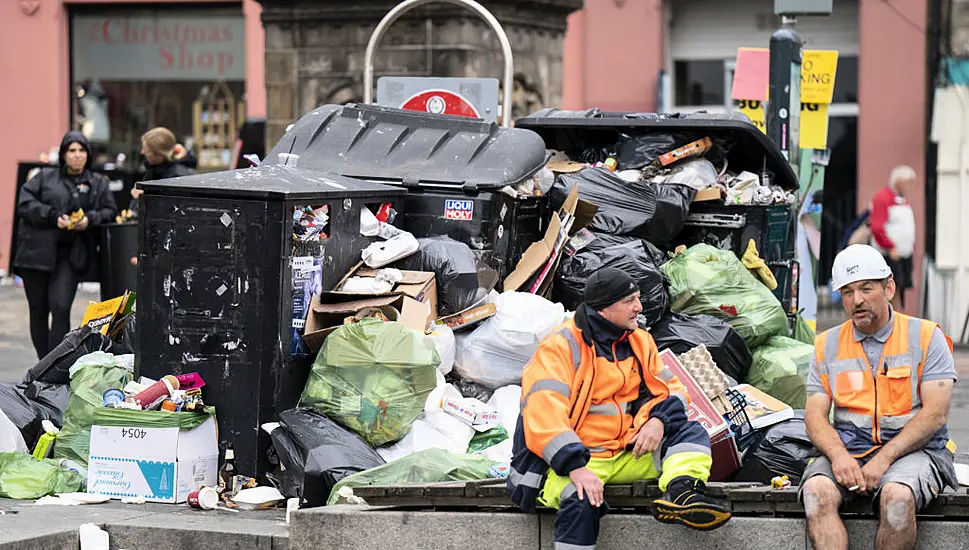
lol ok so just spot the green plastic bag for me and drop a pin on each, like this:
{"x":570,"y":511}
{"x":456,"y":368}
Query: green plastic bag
{"x":490,"y":438}
{"x":91,"y":376}
{"x":24,"y":477}
{"x":373,"y":377}
{"x":803,"y":332}
{"x":780,"y":369}
{"x":710,"y":281}
{"x":427,"y":466}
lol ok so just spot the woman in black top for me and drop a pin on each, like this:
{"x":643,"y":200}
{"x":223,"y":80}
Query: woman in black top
{"x":52,"y":250}
{"x":164,"y":158}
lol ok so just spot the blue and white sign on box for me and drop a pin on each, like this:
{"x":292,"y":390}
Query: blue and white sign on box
{"x":157,"y":464}
{"x":455,"y":209}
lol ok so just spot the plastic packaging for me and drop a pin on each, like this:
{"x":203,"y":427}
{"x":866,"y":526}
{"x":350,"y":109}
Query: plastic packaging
{"x":373,"y":378}
{"x":24,"y":477}
{"x":11,"y":440}
{"x":641,"y":209}
{"x":428,"y":466}
{"x":495,"y":353}
{"x":507,"y":401}
{"x":680,"y":333}
{"x":315,"y":453}
{"x":784,"y":450}
{"x":387,"y":252}
{"x":91,"y":376}
{"x":695,"y":173}
{"x":780,"y":369}
{"x":462,"y":281}
{"x":630,"y":257}
{"x":707,"y":280}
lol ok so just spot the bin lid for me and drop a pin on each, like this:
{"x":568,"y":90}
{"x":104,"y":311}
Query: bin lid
{"x":384,"y":144}
{"x":570,"y":130}
{"x":269,"y":182}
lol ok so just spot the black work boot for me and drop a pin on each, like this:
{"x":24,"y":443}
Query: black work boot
{"x":688,"y":504}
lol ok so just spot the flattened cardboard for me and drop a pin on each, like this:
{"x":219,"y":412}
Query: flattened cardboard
{"x":419,"y":285}
{"x":540,"y":252}
{"x":709,"y":194}
{"x":468,"y":317}
{"x":323,"y":319}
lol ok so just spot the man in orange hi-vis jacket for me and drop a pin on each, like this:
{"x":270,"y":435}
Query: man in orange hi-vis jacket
{"x":889,"y":378}
{"x":600,"y":407}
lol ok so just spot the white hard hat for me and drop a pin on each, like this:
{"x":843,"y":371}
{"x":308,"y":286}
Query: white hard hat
{"x":858,"y":262}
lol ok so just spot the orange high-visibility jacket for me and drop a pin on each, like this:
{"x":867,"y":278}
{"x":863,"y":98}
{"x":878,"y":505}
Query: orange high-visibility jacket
{"x":566,"y":370}
{"x":871,"y":407}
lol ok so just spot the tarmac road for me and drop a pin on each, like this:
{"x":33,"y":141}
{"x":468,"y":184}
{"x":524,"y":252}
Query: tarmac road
{"x":17,"y":354}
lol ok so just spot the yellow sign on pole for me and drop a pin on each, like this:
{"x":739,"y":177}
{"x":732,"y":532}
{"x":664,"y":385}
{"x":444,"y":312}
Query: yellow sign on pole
{"x":814,"y":126}
{"x":818,"y":69}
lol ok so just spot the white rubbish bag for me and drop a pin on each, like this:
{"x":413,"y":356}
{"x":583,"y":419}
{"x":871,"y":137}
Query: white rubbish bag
{"x":11,"y":440}
{"x":507,"y":401}
{"x":443,"y":338}
{"x":494,"y":354}
{"x":437,"y":430}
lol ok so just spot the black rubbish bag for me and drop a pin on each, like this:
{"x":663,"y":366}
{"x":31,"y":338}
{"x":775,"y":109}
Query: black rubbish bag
{"x":784,"y":450}
{"x":127,"y":339}
{"x":468,"y":388}
{"x":630,"y":257}
{"x":641,"y":209}
{"x":55,"y":366}
{"x":48,"y":400}
{"x":19,"y":410}
{"x":462,"y":281}
{"x":680,"y":333}
{"x":638,"y":151}
{"x":315,"y":453}
{"x":595,"y":242}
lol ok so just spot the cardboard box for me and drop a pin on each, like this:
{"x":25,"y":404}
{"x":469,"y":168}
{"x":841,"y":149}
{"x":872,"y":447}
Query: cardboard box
{"x":472,"y":412}
{"x":542,"y":257}
{"x":419,"y":285}
{"x":709,"y":194}
{"x":468,"y":317}
{"x":723,"y":445}
{"x":323,"y":319}
{"x":157,"y":464}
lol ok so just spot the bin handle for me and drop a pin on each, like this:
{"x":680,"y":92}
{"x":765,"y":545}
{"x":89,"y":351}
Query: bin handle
{"x":407,"y":5}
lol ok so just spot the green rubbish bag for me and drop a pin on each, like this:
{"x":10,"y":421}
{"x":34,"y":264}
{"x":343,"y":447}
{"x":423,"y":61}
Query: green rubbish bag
{"x":24,"y":477}
{"x":373,"y":378}
{"x":710,"y":281}
{"x":152,"y":419}
{"x":427,"y":466}
{"x":780,"y":369}
{"x":490,"y":438}
{"x":803,"y":332}
{"x":91,"y":376}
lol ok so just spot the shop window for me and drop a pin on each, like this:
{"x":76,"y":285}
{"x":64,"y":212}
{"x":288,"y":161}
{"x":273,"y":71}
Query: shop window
{"x":136,"y":69}
{"x":846,"y":80}
{"x":700,"y":82}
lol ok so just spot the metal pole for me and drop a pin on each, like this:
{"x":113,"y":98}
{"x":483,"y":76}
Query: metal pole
{"x":406,"y":6}
{"x":784,"y":107}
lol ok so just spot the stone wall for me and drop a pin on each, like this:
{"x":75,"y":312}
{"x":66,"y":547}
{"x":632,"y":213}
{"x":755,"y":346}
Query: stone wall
{"x":315,"y":50}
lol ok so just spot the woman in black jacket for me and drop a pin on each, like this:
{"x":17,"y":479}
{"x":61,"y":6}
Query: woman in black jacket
{"x":52,"y":249}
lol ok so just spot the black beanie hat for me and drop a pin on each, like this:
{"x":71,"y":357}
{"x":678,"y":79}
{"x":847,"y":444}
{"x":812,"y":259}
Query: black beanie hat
{"x":607,"y":286}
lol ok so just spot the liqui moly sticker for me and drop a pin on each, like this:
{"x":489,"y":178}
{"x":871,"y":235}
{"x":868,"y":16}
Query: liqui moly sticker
{"x":458,"y":210}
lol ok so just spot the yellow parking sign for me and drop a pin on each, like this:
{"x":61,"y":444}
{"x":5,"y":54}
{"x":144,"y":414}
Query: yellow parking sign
{"x":818,"y":69}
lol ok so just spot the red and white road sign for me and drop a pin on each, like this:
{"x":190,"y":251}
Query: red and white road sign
{"x":440,"y":102}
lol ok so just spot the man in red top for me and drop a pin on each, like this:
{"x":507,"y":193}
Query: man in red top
{"x":893,"y":228}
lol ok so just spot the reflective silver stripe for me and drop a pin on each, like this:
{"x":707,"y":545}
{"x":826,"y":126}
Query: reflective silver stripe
{"x":855,"y":419}
{"x":567,"y":546}
{"x":915,"y":353}
{"x":528,"y":479}
{"x":845,"y":365}
{"x":895,"y":361}
{"x":596,"y":449}
{"x":686,"y":448}
{"x":831,"y":344}
{"x":682,"y":398}
{"x":573,"y":346}
{"x":556,"y":444}
{"x":665,"y":375}
{"x":568,"y":491}
{"x":605,"y":409}
{"x":547,"y":384}
{"x":894,"y":422}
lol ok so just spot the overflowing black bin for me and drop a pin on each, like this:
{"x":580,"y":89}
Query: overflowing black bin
{"x":455,"y":171}
{"x":215,"y":289}
{"x":593,"y":135}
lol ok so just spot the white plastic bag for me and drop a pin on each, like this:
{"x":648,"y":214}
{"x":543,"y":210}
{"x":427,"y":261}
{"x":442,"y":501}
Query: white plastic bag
{"x":443,"y":338}
{"x":11,"y":440}
{"x":437,"y":430}
{"x":507,"y":401}
{"x":380,"y":254}
{"x":494,"y":354}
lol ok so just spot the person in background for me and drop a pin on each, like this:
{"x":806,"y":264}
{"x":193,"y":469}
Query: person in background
{"x":600,"y":408}
{"x":164,"y":158}
{"x":52,"y":247}
{"x":889,"y":378}
{"x":892,"y":225}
